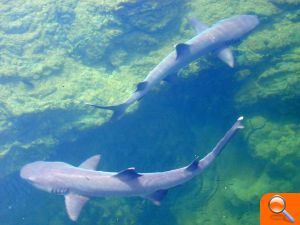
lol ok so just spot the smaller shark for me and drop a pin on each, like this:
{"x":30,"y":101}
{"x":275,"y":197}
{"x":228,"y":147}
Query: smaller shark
{"x":78,"y":184}
{"x":215,"y":39}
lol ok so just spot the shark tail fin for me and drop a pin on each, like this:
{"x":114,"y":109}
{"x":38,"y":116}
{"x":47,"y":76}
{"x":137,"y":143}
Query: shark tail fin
{"x":118,"y":110}
{"x":211,"y":156}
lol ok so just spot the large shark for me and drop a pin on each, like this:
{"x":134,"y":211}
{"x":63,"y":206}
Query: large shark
{"x":215,"y":39}
{"x":78,"y":184}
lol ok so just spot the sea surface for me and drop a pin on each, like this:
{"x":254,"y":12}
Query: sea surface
{"x":57,"y":55}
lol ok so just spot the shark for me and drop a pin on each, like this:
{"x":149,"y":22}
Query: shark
{"x":214,"y":39}
{"x":79,"y":184}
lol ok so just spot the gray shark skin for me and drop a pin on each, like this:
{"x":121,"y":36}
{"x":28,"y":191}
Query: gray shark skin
{"x":215,"y":39}
{"x":78,"y":184}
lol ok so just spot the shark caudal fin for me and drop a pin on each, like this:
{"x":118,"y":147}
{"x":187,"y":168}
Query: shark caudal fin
{"x":74,"y":202}
{"x":118,"y":110}
{"x":211,"y":156}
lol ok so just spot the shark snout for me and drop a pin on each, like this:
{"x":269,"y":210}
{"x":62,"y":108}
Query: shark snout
{"x":30,"y":172}
{"x":31,"y":179}
{"x":24,"y":174}
{"x":251,"y":20}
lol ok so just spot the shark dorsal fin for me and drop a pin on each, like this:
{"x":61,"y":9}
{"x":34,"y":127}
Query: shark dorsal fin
{"x":91,"y":163}
{"x":74,"y":204}
{"x":225,"y":54}
{"x":194,"y":165}
{"x":197,"y":25}
{"x":128,"y":174}
{"x":181,"y":49}
{"x":157,"y":197}
{"x":141,"y":86}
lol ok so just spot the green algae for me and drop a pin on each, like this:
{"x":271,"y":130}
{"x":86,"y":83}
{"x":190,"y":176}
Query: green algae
{"x":280,"y":81}
{"x":280,"y":141}
{"x":211,"y":11}
{"x":110,"y":212}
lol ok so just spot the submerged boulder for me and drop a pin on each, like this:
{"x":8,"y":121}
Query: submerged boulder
{"x":55,"y":56}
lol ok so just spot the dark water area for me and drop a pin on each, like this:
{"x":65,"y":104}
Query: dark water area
{"x":57,"y":56}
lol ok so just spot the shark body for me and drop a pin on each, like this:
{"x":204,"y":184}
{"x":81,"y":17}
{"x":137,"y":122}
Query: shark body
{"x":214,"y":39}
{"x":78,"y":184}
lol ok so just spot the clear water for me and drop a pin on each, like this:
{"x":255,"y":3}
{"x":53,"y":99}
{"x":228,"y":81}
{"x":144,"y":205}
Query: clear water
{"x":56,"y":55}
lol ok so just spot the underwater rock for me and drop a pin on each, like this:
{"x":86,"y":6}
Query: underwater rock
{"x":281,"y":81}
{"x":48,"y":56}
{"x":111,"y":212}
{"x":151,"y":16}
{"x":270,"y":43}
{"x":121,"y":24}
{"x":280,"y":142}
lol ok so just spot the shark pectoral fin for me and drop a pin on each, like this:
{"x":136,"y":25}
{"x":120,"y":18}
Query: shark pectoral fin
{"x":157,"y":197}
{"x":91,"y":163}
{"x":225,"y":54}
{"x":128,"y":174}
{"x":74,"y":204}
{"x":197,"y":25}
{"x":194,"y":165}
{"x":118,"y":110}
{"x":181,"y":49}
{"x":141,"y":86}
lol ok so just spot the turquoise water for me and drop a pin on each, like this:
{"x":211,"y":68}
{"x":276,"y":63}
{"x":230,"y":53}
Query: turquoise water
{"x":57,"y":55}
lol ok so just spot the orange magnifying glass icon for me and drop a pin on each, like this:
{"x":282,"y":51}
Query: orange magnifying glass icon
{"x":277,"y":205}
